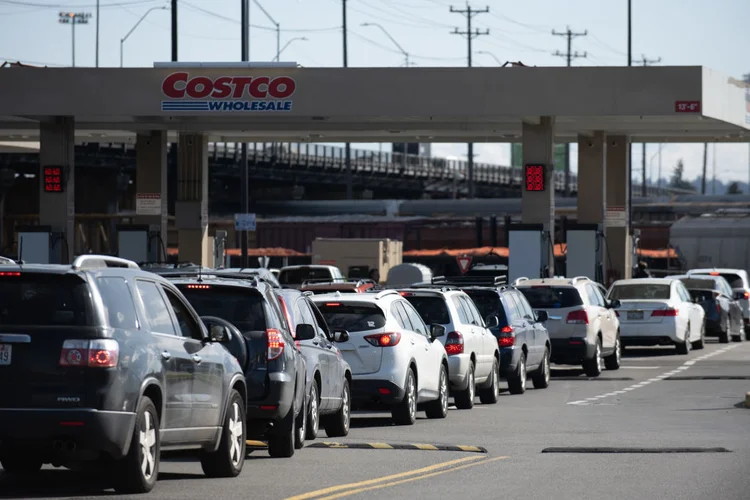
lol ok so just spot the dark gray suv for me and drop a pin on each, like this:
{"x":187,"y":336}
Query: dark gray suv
{"x":103,"y":364}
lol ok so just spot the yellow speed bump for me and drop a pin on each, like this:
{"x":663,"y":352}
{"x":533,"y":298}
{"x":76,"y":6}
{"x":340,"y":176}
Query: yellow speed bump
{"x":747,"y":400}
{"x":256,"y":444}
{"x":397,"y":446}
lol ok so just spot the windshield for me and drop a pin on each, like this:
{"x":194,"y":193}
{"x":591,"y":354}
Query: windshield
{"x":241,"y":307}
{"x":489,"y":305}
{"x":44,"y":300}
{"x":299,"y":275}
{"x":352,"y":317}
{"x":433,"y":310}
{"x":551,"y":297}
{"x":734,"y":280}
{"x":640,"y":292}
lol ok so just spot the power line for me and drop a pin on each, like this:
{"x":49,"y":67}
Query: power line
{"x":643,"y":61}
{"x":470,"y":35}
{"x":569,"y":55}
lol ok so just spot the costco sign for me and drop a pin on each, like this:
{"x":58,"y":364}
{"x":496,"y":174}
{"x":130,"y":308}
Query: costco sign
{"x":227,"y":93}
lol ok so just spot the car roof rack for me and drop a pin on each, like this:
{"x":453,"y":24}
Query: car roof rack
{"x":384,"y":293}
{"x":327,"y":281}
{"x":520,"y":280}
{"x":167,"y":265}
{"x":94,"y":261}
{"x":470,"y":280}
{"x":431,"y":286}
{"x":579,"y":278}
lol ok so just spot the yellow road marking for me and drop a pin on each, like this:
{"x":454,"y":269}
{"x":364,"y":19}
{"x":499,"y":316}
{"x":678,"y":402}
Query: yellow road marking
{"x":259,"y":444}
{"x":381,"y":446}
{"x":408,"y":480}
{"x":333,"y":489}
{"x":426,"y":447}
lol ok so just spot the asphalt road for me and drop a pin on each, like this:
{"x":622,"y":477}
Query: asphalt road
{"x":656,"y":400}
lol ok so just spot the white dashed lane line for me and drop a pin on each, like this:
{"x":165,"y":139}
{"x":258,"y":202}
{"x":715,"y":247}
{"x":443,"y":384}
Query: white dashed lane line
{"x":683,"y":367}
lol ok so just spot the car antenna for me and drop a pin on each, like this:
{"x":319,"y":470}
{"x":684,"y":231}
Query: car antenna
{"x":20,"y":252}
{"x":200,"y":273}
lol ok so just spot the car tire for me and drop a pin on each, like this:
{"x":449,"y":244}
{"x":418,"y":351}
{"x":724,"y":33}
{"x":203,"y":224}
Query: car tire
{"x":683,"y":348}
{"x":439,"y":407}
{"x":542,"y":376}
{"x":281,"y":443}
{"x":701,"y":343}
{"x":489,"y":395}
{"x":405,"y":412}
{"x":300,"y":427}
{"x":137,"y":472}
{"x":337,"y":425}
{"x":517,"y":383}
{"x":612,"y":362}
{"x":313,"y":415}
{"x":465,"y":399}
{"x":593,"y":367}
{"x":20,"y":465}
{"x":739,"y":337}
{"x":724,"y":335}
{"x":229,"y":458}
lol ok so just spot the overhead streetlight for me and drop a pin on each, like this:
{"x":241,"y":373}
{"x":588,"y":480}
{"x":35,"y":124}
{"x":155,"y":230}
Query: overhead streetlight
{"x":406,"y":54}
{"x":300,"y":38}
{"x":74,"y":18}
{"x":122,"y":40}
{"x":491,"y":55}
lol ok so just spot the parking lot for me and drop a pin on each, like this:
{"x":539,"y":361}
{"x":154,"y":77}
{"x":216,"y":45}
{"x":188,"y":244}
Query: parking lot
{"x":657,"y":400}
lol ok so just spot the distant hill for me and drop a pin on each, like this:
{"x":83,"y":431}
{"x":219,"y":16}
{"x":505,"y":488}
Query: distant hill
{"x":720,"y":188}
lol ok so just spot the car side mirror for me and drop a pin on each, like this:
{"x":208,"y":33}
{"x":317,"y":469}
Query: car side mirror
{"x":614,"y":304}
{"x":304,"y":332}
{"x":541,"y":316}
{"x":436,"y":331}
{"x":492,"y":322}
{"x":341,"y":336}
{"x":219,"y":333}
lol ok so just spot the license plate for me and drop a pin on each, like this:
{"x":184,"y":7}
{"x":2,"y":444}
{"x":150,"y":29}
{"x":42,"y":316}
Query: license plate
{"x":635,"y":314}
{"x":5,"y":354}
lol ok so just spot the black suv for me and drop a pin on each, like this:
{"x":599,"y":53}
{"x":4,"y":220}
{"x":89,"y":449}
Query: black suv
{"x":265,"y":347}
{"x":102,"y":363}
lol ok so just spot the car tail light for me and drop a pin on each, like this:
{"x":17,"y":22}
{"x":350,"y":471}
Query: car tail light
{"x":454,"y":343}
{"x":508,"y":341}
{"x":97,"y":353}
{"x":10,"y":273}
{"x":668,"y":312}
{"x":579,"y":317}
{"x":746,"y":295}
{"x":384,"y":339}
{"x":275,"y":344}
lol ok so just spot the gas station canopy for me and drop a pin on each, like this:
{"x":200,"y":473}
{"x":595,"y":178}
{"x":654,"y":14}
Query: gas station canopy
{"x":257,"y":104}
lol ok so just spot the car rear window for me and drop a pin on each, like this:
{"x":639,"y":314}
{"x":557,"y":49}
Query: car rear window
{"x":242,"y":307}
{"x":734,"y":280}
{"x":431,"y":309}
{"x":640,"y":291}
{"x":45,"y":300}
{"x":699,"y":284}
{"x":352,"y":317}
{"x":551,"y":297}
{"x":300,"y":275}
{"x":489,"y":305}
{"x":701,"y":295}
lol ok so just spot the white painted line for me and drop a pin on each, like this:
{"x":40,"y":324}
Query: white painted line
{"x":640,"y":367}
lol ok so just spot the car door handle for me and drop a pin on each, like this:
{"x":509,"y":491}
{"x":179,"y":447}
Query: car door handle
{"x":197,"y":358}
{"x":166,"y":356}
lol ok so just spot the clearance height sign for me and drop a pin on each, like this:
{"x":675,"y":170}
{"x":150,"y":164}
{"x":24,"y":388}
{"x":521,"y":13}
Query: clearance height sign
{"x":516,"y":156}
{"x":197,"y":93}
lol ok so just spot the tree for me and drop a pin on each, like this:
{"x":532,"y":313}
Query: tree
{"x":677,"y":180}
{"x":734,"y":188}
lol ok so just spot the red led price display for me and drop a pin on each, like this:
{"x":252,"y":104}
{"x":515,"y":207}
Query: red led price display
{"x":534,"y":177}
{"x":53,"y":180}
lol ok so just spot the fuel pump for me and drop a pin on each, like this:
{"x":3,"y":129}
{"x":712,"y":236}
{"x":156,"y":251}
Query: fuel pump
{"x":220,"y":247}
{"x":585,"y":250}
{"x":528,"y":251}
{"x":140,"y":243}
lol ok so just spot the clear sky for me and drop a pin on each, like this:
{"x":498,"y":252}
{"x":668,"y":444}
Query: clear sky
{"x":711,"y":33}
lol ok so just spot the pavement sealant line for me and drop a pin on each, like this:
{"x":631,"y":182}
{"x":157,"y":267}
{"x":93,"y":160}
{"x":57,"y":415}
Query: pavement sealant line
{"x":680,"y":369}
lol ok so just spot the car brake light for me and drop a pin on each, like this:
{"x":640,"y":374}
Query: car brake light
{"x":669,"y":312}
{"x":332,"y":304}
{"x":383,"y":339}
{"x":406,"y":294}
{"x":275,"y":344}
{"x":506,"y":341}
{"x":713,"y":273}
{"x":579,"y":317}
{"x":199,"y":287}
{"x":10,"y":273}
{"x":454,"y":343}
{"x":746,"y":295}
{"x":506,"y":329}
{"x":97,"y":353}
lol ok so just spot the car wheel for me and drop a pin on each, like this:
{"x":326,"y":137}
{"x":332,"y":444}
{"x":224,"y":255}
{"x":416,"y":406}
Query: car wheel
{"x":465,"y":399}
{"x":724,"y":335}
{"x":337,"y":425}
{"x":229,"y":458}
{"x":282,"y":439}
{"x":593,"y":367}
{"x":405,"y":412}
{"x":741,"y":335}
{"x":20,"y":465}
{"x":138,"y":470}
{"x":612,"y":362}
{"x":439,"y":407}
{"x":701,"y":342}
{"x":301,"y":427}
{"x":488,"y":396}
{"x":517,"y":383}
{"x":542,"y":377}
{"x":313,"y":417}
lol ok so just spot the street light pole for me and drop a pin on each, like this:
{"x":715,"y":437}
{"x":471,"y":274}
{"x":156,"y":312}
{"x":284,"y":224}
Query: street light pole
{"x":97,"y":33}
{"x":301,"y":38}
{"x":491,"y":55}
{"x":122,"y":40}
{"x":74,"y":18}
{"x":278,"y":27}
{"x":406,"y":54}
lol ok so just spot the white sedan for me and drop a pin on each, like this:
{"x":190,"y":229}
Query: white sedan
{"x":658,"y":311}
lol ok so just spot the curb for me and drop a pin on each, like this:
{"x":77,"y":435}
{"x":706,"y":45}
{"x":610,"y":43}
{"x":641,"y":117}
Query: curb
{"x":747,"y":400}
{"x":389,"y":446}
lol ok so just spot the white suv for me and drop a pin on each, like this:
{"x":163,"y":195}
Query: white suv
{"x":473,"y":355}
{"x":393,"y":355}
{"x":583,"y":328}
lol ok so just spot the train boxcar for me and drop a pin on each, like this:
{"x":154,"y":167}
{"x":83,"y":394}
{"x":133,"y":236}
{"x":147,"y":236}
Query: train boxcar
{"x":720,"y":239}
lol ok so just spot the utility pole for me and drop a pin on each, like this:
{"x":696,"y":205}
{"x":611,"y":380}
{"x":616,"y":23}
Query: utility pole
{"x":705,"y":164}
{"x":645,"y":62}
{"x":348,"y":146}
{"x":174,"y":30}
{"x":74,"y":18}
{"x":470,"y":35}
{"x":97,"y":33}
{"x":713,"y":169}
{"x":630,"y":144}
{"x":244,"y":173}
{"x":569,"y":56}
{"x":746,"y":77}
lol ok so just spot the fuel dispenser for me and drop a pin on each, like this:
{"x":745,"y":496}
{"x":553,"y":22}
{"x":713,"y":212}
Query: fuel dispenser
{"x":140,"y":243}
{"x":221,"y":259}
{"x":42,"y":245}
{"x":585,"y":248}
{"x":528,"y":247}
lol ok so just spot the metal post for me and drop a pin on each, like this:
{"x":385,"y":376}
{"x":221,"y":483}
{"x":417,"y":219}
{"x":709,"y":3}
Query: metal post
{"x":643,"y":168}
{"x":97,"y":33}
{"x":174,"y":30}
{"x":347,"y":148}
{"x":73,"y":25}
{"x":244,"y":174}
{"x":278,"y":41}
